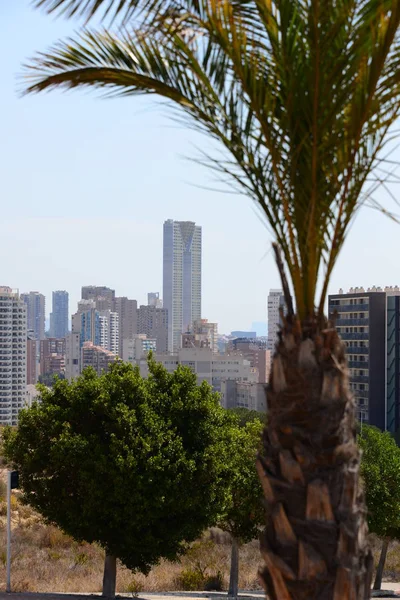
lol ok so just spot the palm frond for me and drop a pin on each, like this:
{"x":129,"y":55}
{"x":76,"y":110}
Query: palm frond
{"x":302,"y":96}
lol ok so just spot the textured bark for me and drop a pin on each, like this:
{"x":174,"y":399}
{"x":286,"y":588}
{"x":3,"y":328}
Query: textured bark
{"x":110,"y":576}
{"x":315,"y":543}
{"x":381,"y":564}
{"x":234,"y":574}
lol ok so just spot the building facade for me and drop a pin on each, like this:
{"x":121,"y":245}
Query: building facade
{"x":73,"y":355}
{"x":102,"y":296}
{"x":36,"y":309}
{"x":276,"y":303}
{"x":153,"y":299}
{"x":256,"y":352}
{"x":59,"y":315}
{"x":109,"y":330}
{"x":96,"y":357}
{"x":366,"y":321}
{"x":243,"y":394}
{"x":181,"y":278}
{"x":138,"y":347}
{"x":53,"y":357}
{"x":126,"y":310}
{"x":32,"y":351}
{"x":153,"y":322}
{"x":13,"y":337}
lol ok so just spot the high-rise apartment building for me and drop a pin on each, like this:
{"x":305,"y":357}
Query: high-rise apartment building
{"x":109,"y":330}
{"x":52,"y":357}
{"x":126,"y":310}
{"x":59,"y":314}
{"x":96,"y":357}
{"x":276,"y":303}
{"x":153,"y":322}
{"x":203,"y":335}
{"x":13,"y":336}
{"x":103,"y":296}
{"x":181,"y":278}
{"x":73,"y":355}
{"x":366,"y":321}
{"x":153,"y":299}
{"x":32,"y":351}
{"x":36,"y":307}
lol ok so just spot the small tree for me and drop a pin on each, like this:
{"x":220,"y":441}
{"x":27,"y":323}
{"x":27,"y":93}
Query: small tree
{"x":380,"y":469}
{"x":135,"y":465}
{"x":244,"y":513}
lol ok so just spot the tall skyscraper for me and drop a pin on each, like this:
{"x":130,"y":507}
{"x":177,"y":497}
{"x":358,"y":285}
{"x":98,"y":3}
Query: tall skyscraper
{"x":13,"y":337}
{"x":36,"y":306}
{"x":126,"y":310}
{"x":368,"y":321}
{"x":276,"y":303}
{"x":181,"y":278}
{"x":32,"y":347}
{"x":109,"y":330}
{"x":103,"y":296}
{"x":59,"y":315}
{"x":153,"y":322}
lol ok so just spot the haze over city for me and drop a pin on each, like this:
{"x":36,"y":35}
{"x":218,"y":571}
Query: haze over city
{"x":77,"y":214}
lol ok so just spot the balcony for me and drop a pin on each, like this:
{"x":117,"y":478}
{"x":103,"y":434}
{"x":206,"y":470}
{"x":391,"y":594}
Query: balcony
{"x":359,"y":378}
{"x":358,"y":364}
{"x":354,"y":336}
{"x":342,"y":322}
{"x":357,"y":350}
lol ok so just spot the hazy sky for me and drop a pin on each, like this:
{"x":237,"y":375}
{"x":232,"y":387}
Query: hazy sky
{"x":86,"y":185}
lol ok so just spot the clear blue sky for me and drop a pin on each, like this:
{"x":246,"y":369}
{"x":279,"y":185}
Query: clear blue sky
{"x":86,"y":185}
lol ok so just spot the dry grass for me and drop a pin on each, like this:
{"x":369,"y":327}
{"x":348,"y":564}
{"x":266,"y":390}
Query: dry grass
{"x":46,"y":560}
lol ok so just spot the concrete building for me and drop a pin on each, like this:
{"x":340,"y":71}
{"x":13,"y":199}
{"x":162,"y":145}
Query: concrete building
{"x":73,"y":355}
{"x":109,"y":330}
{"x":59,"y":314}
{"x":96,"y":357}
{"x":366,"y":321}
{"x":256,"y":352}
{"x":102,"y":296}
{"x":153,"y":299}
{"x":208,"y":366}
{"x":32,"y":351}
{"x":206,"y":333}
{"x":32,"y":394}
{"x":243,"y":394}
{"x":276,"y":303}
{"x":89,"y":326}
{"x":153,"y":322}
{"x":138,"y":347}
{"x":13,"y":336}
{"x":36,"y":309}
{"x":126,"y":310}
{"x":181,"y":278}
{"x":53,"y":357}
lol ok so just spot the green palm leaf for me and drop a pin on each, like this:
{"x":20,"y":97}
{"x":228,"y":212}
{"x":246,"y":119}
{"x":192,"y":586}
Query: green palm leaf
{"x":301,"y":96}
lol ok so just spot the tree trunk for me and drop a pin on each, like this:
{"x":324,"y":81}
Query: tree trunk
{"x":234,"y":575}
{"x":110,"y":576}
{"x":315,"y":542}
{"x":381,"y":564}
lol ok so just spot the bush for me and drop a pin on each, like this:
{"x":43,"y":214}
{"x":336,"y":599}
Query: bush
{"x":190,"y":580}
{"x":134,"y":587}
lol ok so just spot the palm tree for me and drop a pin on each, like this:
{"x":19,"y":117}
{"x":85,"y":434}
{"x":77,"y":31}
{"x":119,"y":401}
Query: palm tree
{"x":301,"y":95}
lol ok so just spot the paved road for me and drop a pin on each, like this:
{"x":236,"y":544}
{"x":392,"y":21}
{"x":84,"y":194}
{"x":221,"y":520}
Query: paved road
{"x":394,"y":587}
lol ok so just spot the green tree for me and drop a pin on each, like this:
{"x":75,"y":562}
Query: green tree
{"x":244,"y":513}
{"x":135,"y":465}
{"x":380,"y":470}
{"x":301,"y":97}
{"x":244,"y":416}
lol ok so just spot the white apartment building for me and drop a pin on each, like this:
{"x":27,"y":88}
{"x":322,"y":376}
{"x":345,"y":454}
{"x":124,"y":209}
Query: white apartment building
{"x":276,"y":302}
{"x":138,"y":347}
{"x":109,"y":330}
{"x":208,"y":366}
{"x":243,"y":394}
{"x":13,"y":336}
{"x":73,"y":355}
{"x":181,"y":278}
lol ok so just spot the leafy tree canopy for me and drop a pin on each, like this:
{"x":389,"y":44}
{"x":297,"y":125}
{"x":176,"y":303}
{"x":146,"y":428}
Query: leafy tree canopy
{"x":244,"y":512}
{"x":380,"y":469}
{"x":244,"y":416}
{"x":136,"y":465}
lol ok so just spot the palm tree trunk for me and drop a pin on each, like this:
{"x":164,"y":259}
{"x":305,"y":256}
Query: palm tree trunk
{"x":110,"y":576}
{"x":234,"y":574}
{"x":315,"y":542}
{"x":381,"y":564}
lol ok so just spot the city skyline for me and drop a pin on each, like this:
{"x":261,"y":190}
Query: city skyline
{"x":119,"y":198}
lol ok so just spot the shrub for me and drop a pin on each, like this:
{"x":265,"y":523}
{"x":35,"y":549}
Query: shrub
{"x":190,"y":580}
{"x":214,"y":583}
